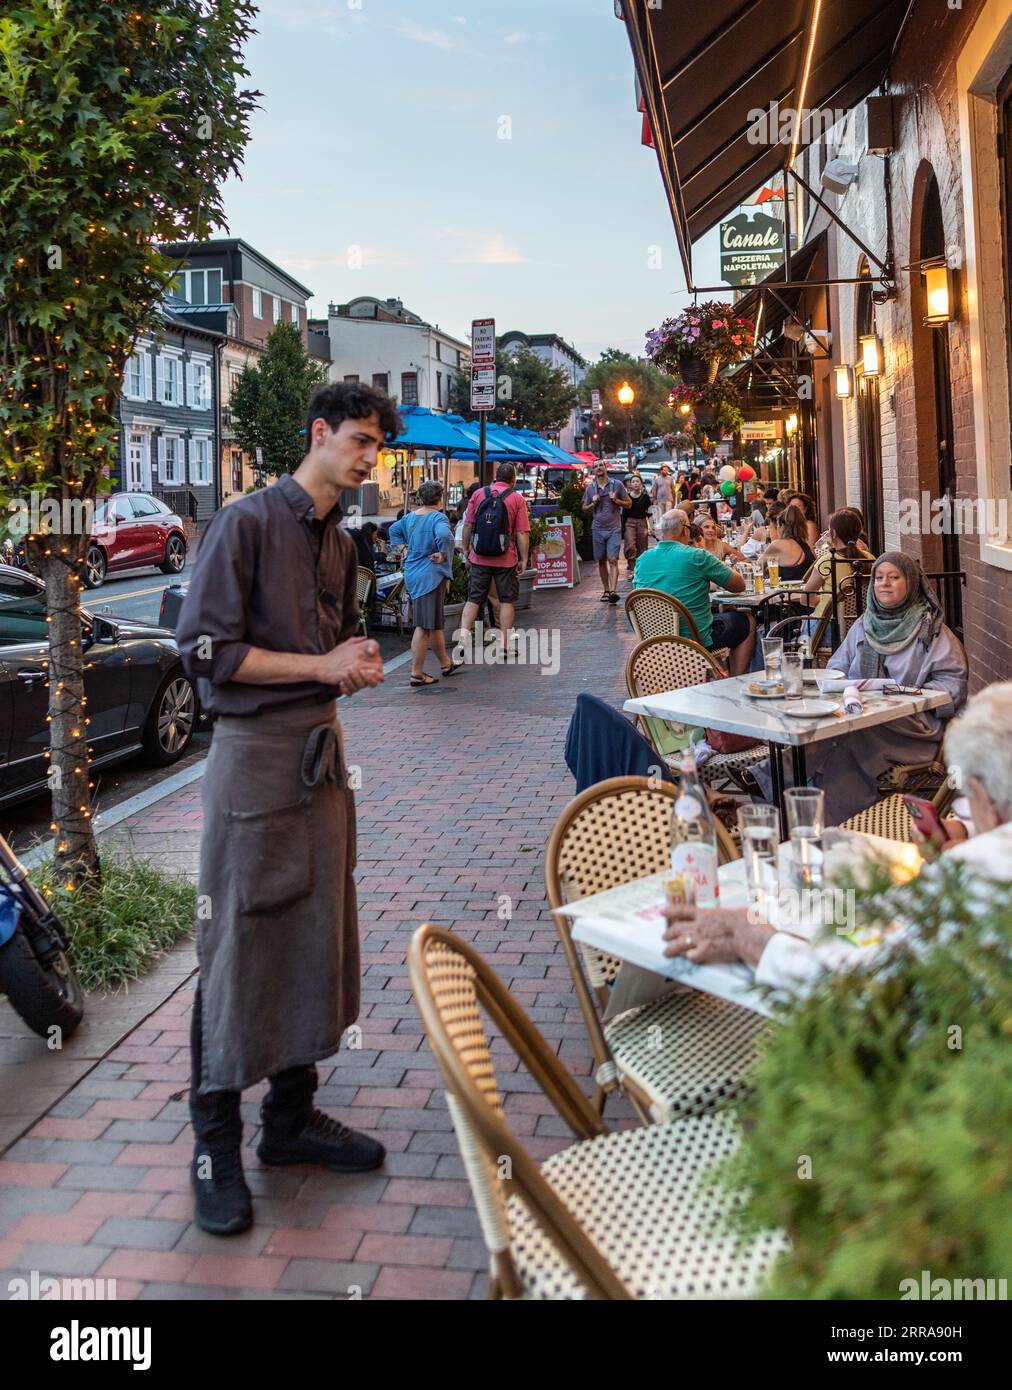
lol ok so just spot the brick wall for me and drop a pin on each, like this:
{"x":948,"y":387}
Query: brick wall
{"x":923,"y":78}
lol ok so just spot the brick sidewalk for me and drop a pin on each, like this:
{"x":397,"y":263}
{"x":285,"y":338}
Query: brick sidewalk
{"x":100,"y":1186}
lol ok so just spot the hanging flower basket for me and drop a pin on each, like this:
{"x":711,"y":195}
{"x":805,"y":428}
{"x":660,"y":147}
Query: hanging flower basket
{"x":697,"y":371}
{"x":706,"y":416}
{"x":700,"y":341}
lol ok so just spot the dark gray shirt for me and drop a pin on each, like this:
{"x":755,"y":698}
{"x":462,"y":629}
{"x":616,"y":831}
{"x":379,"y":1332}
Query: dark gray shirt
{"x":259,"y":583}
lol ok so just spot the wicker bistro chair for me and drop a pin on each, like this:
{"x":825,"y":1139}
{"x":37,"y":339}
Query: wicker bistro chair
{"x":654,"y":613}
{"x":890,"y":819}
{"x":389,"y":605}
{"x":365,"y":586}
{"x":613,"y":1216}
{"x":672,"y":663}
{"x":820,"y":644}
{"x":608,"y":835}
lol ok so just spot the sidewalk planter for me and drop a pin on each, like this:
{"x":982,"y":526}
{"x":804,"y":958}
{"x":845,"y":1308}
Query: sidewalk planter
{"x":451,"y":619}
{"x":526,"y":589}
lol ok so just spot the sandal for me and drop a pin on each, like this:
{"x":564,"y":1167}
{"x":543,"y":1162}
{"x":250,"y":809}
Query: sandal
{"x":606,"y":597}
{"x":453,"y":668}
{"x":422,"y":680}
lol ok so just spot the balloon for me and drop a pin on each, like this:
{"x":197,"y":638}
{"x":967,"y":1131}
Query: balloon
{"x":746,"y":473}
{"x":726,"y":474}
{"x":728,"y":487}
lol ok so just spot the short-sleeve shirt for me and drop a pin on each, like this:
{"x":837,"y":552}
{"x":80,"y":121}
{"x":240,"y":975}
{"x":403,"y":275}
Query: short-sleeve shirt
{"x":686,"y":573}
{"x":607,"y":516}
{"x":519,"y":520}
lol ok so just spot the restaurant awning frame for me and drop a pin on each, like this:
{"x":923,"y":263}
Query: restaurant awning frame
{"x":808,"y":55}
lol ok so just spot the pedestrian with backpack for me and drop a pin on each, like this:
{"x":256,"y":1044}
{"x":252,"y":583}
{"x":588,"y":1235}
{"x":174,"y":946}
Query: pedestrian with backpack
{"x":496,"y":539}
{"x":604,"y":499}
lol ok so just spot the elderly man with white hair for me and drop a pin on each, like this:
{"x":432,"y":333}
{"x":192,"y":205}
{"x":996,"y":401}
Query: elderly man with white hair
{"x":685,"y":572}
{"x":978,"y":750}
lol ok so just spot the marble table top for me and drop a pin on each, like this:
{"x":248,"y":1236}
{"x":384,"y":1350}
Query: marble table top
{"x":724,"y":705}
{"x":753,"y":600}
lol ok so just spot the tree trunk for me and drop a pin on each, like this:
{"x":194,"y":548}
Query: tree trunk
{"x":76,"y":853}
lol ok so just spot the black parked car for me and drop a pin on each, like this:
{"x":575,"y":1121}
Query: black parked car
{"x":139,"y":697}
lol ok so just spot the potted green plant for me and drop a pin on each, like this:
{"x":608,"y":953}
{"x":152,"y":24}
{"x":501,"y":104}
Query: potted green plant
{"x":876,"y":1130}
{"x":571,"y":505}
{"x":456,"y":596}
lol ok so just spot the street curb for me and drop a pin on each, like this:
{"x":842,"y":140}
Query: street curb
{"x":105,"y":820}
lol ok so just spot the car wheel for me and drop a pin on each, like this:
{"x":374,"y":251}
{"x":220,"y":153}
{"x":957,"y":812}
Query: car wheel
{"x":171,"y":720}
{"x":94,"y":567}
{"x":175,"y":556}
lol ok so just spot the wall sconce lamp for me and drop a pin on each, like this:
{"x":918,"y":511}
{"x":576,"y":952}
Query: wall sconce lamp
{"x":871,"y":354}
{"x":844,"y":382}
{"x":939,"y":281}
{"x":791,"y":423}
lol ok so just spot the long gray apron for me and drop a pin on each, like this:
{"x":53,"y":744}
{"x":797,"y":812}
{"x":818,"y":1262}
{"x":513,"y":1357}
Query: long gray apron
{"x":277,"y":923}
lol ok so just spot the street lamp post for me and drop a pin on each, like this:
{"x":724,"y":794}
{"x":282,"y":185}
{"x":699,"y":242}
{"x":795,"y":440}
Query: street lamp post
{"x":626,"y":396}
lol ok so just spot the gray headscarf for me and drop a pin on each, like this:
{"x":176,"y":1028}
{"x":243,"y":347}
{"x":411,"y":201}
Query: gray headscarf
{"x":891,"y":630}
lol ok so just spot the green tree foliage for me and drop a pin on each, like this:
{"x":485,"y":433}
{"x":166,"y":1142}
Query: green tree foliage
{"x":892,"y":1083}
{"x":270,"y":400}
{"x":119,"y":123}
{"x":532,"y":394}
{"x":649,"y":413}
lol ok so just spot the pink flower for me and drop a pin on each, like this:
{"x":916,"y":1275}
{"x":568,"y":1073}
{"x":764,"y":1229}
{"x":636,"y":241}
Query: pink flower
{"x":736,"y":339}
{"x":720,"y":323}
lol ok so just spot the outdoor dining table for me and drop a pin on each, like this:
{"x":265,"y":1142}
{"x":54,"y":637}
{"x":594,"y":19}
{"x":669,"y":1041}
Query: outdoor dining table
{"x":724,"y":705}
{"x":632,"y":930}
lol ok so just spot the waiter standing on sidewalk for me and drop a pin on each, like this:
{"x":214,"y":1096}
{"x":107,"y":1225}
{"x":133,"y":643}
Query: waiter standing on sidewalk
{"x":269,"y":631}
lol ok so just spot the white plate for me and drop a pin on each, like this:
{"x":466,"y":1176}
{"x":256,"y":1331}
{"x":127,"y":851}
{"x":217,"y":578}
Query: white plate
{"x":763,"y":695}
{"x":810,"y":709}
{"x":818,"y":676}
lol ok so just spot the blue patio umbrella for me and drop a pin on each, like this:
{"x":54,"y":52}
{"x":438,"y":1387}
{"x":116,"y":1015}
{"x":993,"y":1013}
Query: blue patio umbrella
{"x":499,"y":443}
{"x":423,"y":429}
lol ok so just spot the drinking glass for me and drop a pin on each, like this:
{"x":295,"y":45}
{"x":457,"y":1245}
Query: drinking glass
{"x":792,"y":670}
{"x":773,"y":654}
{"x":806,"y":820}
{"x":760,"y":837}
{"x":774,"y":572}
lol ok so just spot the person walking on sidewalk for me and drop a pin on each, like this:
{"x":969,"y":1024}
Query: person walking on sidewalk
{"x":427,"y":566}
{"x":635,"y":526}
{"x":268,"y":632}
{"x":496,"y":539}
{"x":605,"y":499}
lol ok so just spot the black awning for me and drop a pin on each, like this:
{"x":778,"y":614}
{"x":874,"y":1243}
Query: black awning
{"x":704,"y":67}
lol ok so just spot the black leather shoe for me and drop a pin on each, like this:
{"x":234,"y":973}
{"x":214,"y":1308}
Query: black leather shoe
{"x":224,"y":1205}
{"x":322,"y":1141}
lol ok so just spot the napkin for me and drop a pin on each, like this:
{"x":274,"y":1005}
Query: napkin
{"x":852,"y":701}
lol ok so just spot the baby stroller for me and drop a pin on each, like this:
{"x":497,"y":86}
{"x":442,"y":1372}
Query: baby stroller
{"x":34,"y":972}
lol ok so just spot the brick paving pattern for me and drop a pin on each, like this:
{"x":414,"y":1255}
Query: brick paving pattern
{"x":100,"y":1185}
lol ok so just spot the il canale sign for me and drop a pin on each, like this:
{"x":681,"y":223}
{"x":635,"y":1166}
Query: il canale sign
{"x":750,"y":248}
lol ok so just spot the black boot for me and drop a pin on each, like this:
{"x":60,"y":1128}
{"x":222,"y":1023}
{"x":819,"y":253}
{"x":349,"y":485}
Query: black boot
{"x":224,"y":1205}
{"x":294,"y":1131}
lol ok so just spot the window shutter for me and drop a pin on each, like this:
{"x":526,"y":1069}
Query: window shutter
{"x":145,"y":375}
{"x":189,"y":446}
{"x":191,"y":384}
{"x":160,"y":379}
{"x":161,"y":453}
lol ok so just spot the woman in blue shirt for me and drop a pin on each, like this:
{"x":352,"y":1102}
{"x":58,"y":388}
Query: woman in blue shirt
{"x":427,"y":566}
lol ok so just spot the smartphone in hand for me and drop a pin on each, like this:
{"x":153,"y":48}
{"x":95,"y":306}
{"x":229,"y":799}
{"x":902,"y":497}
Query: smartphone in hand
{"x":927,"y":821}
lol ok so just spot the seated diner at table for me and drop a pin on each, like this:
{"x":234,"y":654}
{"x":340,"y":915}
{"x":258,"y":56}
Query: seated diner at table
{"x":900,"y":638}
{"x":791,"y":548}
{"x":713,"y":541}
{"x":978,"y":748}
{"x":680,"y":569}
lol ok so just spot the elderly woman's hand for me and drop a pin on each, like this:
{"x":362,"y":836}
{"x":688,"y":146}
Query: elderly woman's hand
{"x":708,"y":936}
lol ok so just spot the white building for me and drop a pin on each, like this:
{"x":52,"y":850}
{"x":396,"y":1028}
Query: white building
{"x":557,"y":353}
{"x":381,"y":342}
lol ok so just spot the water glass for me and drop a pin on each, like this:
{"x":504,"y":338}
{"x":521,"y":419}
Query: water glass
{"x":792,"y":669}
{"x":806,"y":820}
{"x":759,"y":827}
{"x":773,"y":655}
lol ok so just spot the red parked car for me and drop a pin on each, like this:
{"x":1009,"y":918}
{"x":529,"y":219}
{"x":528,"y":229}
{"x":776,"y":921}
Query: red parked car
{"x":131,"y":529}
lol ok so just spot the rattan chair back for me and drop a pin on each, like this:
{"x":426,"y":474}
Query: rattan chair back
{"x":668,"y":663}
{"x":453,"y":986}
{"x":654,"y":613}
{"x":365,"y":586}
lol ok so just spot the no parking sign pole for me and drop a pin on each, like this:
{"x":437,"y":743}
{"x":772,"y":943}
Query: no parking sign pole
{"x":482,"y":382}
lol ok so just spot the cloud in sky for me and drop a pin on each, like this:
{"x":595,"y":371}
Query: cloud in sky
{"x":419,"y":33}
{"x":515,"y":36}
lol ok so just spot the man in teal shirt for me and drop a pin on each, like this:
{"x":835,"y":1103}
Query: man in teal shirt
{"x":685,"y":572}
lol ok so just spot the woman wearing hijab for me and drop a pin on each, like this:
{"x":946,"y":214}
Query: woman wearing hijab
{"x":900,"y":639}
